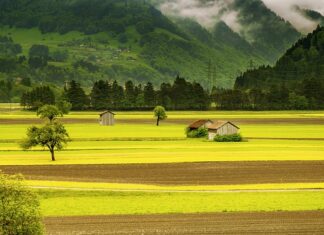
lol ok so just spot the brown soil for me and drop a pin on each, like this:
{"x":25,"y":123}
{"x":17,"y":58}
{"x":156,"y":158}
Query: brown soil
{"x":239,"y":121}
{"x":210,"y":173}
{"x":311,"y":222}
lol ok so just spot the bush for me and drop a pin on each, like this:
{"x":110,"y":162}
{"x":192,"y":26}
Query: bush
{"x":20,"y":208}
{"x":228,"y":138}
{"x":199,"y":133}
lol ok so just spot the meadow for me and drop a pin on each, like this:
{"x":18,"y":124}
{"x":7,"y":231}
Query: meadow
{"x":65,"y":203}
{"x":269,"y":136}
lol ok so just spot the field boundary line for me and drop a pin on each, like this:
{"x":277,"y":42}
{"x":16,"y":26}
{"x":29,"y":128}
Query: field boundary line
{"x":179,"y":191}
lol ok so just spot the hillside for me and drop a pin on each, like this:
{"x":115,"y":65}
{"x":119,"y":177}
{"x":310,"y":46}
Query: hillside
{"x":303,"y":60}
{"x":248,"y":22}
{"x":105,"y":39}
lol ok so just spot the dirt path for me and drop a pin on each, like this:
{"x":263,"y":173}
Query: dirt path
{"x":209,"y":173}
{"x":311,"y":222}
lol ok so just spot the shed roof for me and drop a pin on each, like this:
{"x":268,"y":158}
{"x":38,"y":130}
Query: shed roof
{"x":219,"y":124}
{"x":199,"y":123}
{"x":107,"y":112}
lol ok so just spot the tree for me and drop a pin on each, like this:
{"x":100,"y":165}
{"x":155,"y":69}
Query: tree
{"x":38,"y":56}
{"x":20,"y":207}
{"x":38,"y":97}
{"x":76,"y":96}
{"x":53,"y":135}
{"x":100,"y":95}
{"x":50,"y":112}
{"x":160,"y":114}
{"x":149,"y":95}
{"x":64,"y":106}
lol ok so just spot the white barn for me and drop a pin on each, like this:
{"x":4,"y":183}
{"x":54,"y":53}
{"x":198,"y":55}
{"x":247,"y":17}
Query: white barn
{"x":222,"y":128}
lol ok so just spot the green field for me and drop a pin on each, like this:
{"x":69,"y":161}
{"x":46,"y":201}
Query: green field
{"x":67,"y":203}
{"x":138,"y":140}
{"x":121,"y":152}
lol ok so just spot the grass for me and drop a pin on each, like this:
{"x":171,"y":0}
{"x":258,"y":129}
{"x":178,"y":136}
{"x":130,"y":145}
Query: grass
{"x":141,"y":131}
{"x":80,"y":203}
{"x":122,"y":152}
{"x":144,"y":187}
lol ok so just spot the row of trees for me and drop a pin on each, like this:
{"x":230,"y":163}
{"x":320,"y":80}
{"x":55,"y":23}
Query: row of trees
{"x":181,"y":95}
{"x":308,"y":94}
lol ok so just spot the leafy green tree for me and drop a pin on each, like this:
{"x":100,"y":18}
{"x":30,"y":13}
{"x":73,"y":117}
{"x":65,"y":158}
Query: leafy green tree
{"x":38,"y":56}
{"x":20,"y":207}
{"x":53,"y":135}
{"x":64,"y":106}
{"x":38,"y":97}
{"x":160,"y":114}
{"x":297,"y":101}
{"x":50,"y":112}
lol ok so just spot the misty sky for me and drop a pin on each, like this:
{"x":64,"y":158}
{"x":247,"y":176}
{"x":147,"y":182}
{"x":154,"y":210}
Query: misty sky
{"x":213,"y":10}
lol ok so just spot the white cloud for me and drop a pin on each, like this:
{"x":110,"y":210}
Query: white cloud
{"x":205,"y":12}
{"x":286,"y":9}
{"x":208,"y":12}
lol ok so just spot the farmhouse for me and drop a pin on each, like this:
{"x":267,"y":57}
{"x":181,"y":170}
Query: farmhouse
{"x":215,"y":128}
{"x":222,"y":128}
{"x":107,"y":118}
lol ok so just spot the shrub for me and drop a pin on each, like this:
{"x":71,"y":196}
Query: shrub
{"x":228,"y":138}
{"x":199,"y":133}
{"x":20,"y":208}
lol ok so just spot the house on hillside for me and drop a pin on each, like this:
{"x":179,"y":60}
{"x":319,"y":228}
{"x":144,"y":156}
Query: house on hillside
{"x":107,"y":118}
{"x":222,"y":128}
{"x":215,"y":128}
{"x":200,"y":123}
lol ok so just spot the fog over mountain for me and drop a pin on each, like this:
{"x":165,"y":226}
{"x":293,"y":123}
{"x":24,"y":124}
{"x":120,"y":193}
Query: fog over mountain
{"x":287,"y":10}
{"x":208,"y":12}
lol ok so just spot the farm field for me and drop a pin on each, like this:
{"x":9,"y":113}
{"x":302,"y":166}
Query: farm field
{"x":245,"y":223}
{"x":138,"y":170}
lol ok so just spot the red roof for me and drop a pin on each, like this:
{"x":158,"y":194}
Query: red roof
{"x":199,"y":123}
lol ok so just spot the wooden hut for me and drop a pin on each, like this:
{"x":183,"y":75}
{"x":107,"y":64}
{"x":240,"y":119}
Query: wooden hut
{"x":200,"y":123}
{"x":222,"y":128}
{"x":107,"y":118}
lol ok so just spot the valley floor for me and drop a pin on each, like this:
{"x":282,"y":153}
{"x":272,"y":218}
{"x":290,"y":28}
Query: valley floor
{"x":136,"y":178}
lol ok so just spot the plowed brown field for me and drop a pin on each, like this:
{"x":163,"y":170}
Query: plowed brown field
{"x":311,"y":222}
{"x":210,"y":173}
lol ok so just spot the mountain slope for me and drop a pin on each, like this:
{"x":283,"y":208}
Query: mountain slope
{"x":119,"y":40}
{"x":304,"y":60}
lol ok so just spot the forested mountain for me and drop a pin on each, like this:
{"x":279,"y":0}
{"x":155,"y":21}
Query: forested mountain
{"x":55,"y":41}
{"x":298,"y":74}
{"x":121,"y":40}
{"x":303,"y":60}
{"x":313,"y":15}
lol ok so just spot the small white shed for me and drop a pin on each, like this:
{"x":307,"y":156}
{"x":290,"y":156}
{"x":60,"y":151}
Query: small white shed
{"x":222,"y":128}
{"x":107,"y":118}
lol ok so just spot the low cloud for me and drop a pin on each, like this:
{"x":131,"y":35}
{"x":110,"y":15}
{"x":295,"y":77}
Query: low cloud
{"x":287,"y":10}
{"x":208,"y":12}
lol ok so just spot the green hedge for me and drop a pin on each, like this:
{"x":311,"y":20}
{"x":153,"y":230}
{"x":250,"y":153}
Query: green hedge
{"x":228,"y":138}
{"x":199,"y":133}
